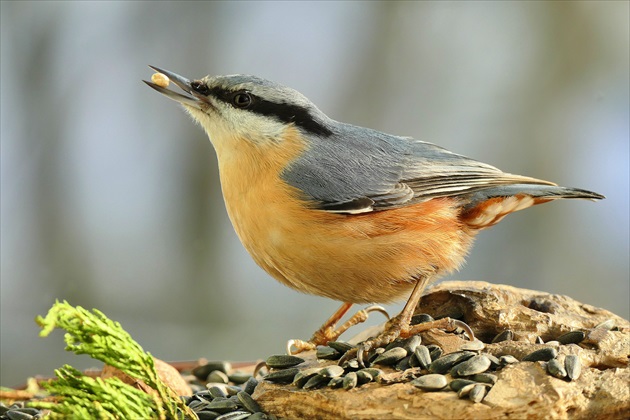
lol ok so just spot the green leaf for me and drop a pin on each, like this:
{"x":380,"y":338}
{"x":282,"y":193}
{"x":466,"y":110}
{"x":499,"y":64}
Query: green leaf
{"x":94,"y":334}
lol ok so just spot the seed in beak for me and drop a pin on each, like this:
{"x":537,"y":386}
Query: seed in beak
{"x":160,"y":79}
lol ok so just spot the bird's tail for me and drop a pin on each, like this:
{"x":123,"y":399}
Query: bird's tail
{"x":487,"y":207}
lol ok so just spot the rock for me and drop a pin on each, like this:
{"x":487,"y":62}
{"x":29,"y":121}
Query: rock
{"x":169,"y":375}
{"x":522,"y":389}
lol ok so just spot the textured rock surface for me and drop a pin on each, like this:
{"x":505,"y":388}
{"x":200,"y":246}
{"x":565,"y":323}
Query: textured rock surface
{"x":523,"y":390}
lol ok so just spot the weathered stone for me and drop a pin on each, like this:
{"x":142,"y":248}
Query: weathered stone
{"x":523,"y":390}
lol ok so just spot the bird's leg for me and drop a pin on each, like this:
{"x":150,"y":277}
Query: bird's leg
{"x":329,"y":331}
{"x":399,"y":326}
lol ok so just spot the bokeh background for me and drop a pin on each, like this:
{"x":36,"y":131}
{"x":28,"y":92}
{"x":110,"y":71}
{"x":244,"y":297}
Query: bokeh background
{"x":110,"y":196}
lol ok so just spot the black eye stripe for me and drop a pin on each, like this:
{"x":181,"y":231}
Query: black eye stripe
{"x":287,"y":113}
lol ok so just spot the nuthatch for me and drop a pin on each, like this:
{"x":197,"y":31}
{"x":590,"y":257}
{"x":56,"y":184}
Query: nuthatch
{"x":347,"y":212}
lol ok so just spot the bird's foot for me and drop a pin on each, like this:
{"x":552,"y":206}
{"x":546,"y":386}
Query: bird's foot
{"x":329,"y":331}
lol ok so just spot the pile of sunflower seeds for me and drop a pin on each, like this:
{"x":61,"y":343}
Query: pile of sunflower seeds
{"x":470,"y":372}
{"x":18,"y":411}
{"x":226,"y":395}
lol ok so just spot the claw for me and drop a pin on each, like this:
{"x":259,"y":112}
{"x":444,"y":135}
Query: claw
{"x":299,"y":345}
{"x":363,"y":353}
{"x":461,"y":324}
{"x":377,"y":308}
{"x":258,"y":367}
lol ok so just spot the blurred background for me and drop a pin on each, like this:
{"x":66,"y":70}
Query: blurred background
{"x":110,"y":196}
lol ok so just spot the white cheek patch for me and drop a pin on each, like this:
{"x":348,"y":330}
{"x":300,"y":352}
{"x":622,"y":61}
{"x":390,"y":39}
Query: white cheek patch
{"x":225,"y":126}
{"x":249,"y":125}
{"x":490,"y":213}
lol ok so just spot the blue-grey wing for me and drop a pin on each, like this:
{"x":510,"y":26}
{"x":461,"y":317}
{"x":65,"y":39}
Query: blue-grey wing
{"x":358,"y":170}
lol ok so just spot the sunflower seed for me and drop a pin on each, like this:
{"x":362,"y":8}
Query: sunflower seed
{"x":281,"y":361}
{"x":457,"y":384}
{"x":303,"y":376}
{"x":412,"y":343}
{"x":16,"y":415}
{"x":207,"y":415}
{"x":465,"y":390}
{"x":507,"y":335}
{"x":340,"y":346}
{"x":327,"y":353}
{"x":494,"y":361}
{"x":435,"y":351}
{"x":373,"y":354}
{"x":403,"y":364}
{"x":539,"y":340}
{"x":202,"y":372}
{"x":421,"y":319}
{"x":248,"y":402}
{"x":422,"y":356}
{"x":396,"y":343}
{"x":216,"y":392}
{"x":507,"y":359}
{"x":239,"y":377}
{"x":555,"y":368}
{"x":222,"y":405}
{"x":350,"y":380}
{"x":573,"y":366}
{"x":203,"y":396}
{"x":431,"y":382}
{"x":391,"y":356}
{"x":541,"y":355}
{"x":250,"y":385}
{"x":335,"y":382}
{"x":218,"y":376}
{"x":197,"y":405}
{"x":472,"y":366}
{"x":232,"y":390}
{"x":475,"y":345}
{"x":413,"y":361}
{"x":477,"y":393}
{"x":332,"y":371}
{"x":446,"y":362}
{"x":486,"y":378}
{"x":351,"y":364}
{"x":27,"y":410}
{"x":284,"y":376}
{"x":363,"y":377}
{"x":572,"y":337}
{"x":374,"y":372}
{"x":234,"y":415}
{"x":316,"y":381}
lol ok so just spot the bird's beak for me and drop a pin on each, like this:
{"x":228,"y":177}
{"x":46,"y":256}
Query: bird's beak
{"x":195,"y":100}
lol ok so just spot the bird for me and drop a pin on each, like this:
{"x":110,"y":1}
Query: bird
{"x":342,"y":211}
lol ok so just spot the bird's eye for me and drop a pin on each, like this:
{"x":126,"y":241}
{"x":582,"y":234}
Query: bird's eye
{"x":242,"y":100}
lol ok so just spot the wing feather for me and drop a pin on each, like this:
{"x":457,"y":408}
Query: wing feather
{"x":358,"y":170}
